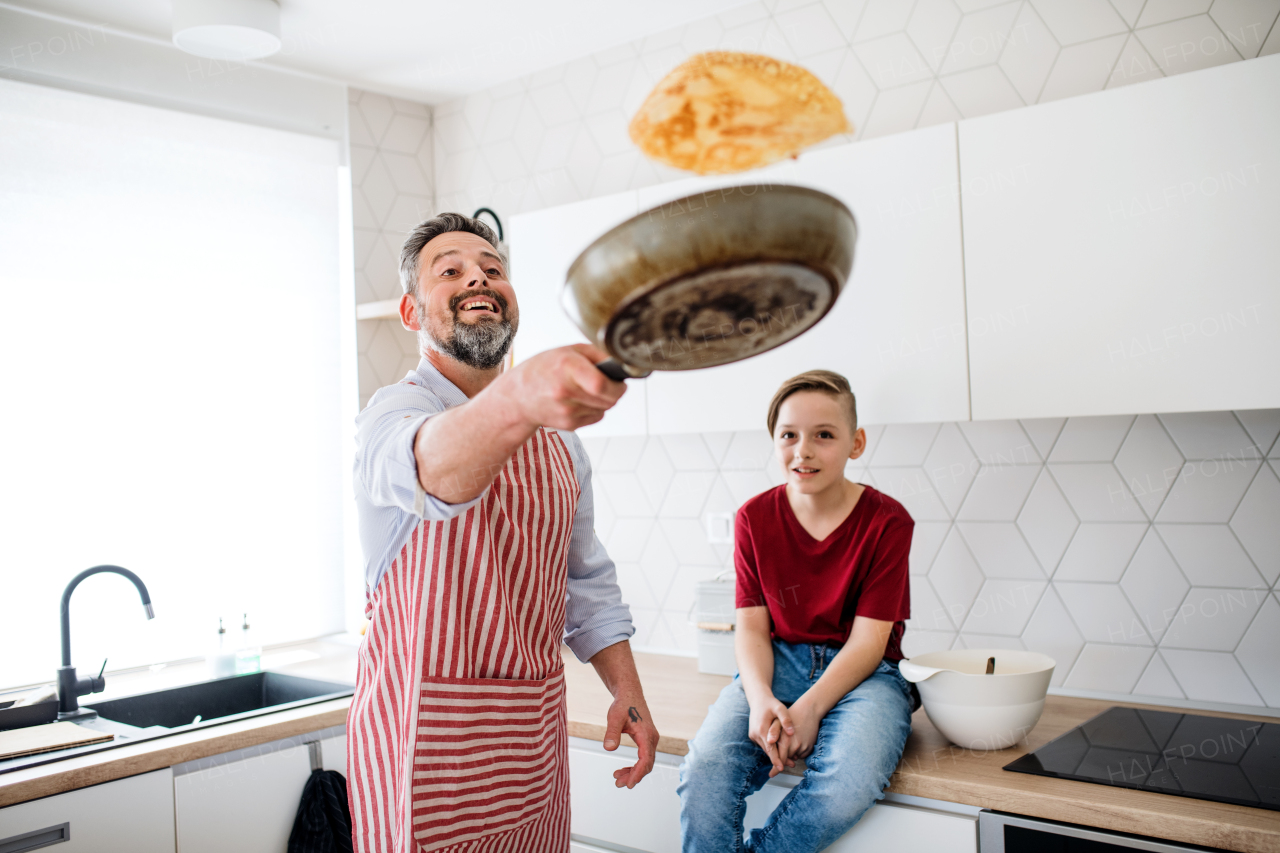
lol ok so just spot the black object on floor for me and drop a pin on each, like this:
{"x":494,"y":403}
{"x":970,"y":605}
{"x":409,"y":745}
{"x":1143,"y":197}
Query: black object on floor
{"x":323,"y":824}
{"x":1189,"y":755}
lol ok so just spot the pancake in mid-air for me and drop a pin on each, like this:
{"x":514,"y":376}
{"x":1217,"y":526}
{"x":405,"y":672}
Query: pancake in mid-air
{"x":723,"y":112}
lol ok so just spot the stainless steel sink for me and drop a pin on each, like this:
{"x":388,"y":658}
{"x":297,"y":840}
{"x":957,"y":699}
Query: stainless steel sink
{"x":221,"y":699}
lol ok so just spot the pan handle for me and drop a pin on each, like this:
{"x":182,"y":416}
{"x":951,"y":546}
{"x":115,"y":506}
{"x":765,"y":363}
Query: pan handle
{"x":615,"y":370}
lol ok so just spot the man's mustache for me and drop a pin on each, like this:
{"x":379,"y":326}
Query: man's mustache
{"x":492,"y":295}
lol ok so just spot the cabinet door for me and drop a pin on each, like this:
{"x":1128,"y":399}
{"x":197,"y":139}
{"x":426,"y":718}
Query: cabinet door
{"x":884,"y":826}
{"x":1121,"y":249}
{"x":645,"y":818}
{"x":543,"y":246}
{"x":897,"y":330}
{"x":243,"y":801}
{"x":133,"y":814}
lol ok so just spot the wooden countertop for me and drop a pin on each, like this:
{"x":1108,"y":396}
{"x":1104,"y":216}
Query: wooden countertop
{"x":678,"y":697}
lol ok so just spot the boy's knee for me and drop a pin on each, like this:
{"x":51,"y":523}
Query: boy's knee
{"x":707,"y":756}
{"x":847,"y":796}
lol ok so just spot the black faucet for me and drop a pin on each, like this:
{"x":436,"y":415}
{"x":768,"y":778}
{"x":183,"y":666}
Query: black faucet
{"x":71,"y":688}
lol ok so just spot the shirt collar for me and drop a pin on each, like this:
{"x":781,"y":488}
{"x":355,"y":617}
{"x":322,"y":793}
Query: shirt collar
{"x":433,"y":379}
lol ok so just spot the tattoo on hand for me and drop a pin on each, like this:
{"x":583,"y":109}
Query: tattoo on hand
{"x":634,"y":715}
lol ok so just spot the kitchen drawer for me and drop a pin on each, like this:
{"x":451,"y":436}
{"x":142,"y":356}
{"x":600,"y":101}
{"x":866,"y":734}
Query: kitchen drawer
{"x":133,"y":815}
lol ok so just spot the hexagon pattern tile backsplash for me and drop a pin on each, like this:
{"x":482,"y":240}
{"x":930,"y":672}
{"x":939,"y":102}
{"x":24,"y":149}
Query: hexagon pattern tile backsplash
{"x":560,"y":135}
{"x":392,"y":190}
{"x":1141,"y":552}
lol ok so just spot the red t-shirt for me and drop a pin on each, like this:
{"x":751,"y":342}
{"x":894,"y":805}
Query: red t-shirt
{"x":814,"y":589}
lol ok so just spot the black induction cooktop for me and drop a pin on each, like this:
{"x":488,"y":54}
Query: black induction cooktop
{"x":1208,"y":758}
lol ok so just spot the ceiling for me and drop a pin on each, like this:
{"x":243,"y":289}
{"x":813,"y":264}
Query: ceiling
{"x":424,"y":51}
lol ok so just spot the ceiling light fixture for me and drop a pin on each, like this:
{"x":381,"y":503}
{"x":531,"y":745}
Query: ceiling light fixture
{"x":227,"y":29}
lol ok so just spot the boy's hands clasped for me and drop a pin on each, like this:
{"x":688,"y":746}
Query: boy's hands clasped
{"x":784,"y":734}
{"x":770,"y":723}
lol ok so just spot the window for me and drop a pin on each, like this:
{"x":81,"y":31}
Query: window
{"x":171,"y":353}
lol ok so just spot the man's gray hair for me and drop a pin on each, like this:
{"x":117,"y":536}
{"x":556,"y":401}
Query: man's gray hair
{"x":410,"y":262}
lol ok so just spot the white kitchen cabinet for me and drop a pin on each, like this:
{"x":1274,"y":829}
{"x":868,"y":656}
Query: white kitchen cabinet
{"x":543,"y":245}
{"x":1121,"y":251}
{"x":647,"y":817}
{"x":245,"y":801}
{"x":897,"y":330}
{"x":133,"y":815}
{"x":576,"y":846}
{"x":885,"y":826}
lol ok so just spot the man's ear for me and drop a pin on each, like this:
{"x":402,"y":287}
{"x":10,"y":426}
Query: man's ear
{"x":859,"y":443}
{"x":409,"y":313}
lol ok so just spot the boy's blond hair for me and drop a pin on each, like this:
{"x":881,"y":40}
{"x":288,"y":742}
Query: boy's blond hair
{"x":824,"y":381}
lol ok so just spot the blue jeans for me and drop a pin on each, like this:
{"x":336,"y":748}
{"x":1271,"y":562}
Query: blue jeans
{"x":858,"y":746}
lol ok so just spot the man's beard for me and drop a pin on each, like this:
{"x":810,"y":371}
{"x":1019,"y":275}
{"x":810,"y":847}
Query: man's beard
{"x":481,"y":345}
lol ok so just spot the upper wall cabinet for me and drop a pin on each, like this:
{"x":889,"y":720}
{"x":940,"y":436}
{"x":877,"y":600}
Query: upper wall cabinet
{"x":543,"y":246}
{"x":897,"y":330}
{"x":1121,"y":248}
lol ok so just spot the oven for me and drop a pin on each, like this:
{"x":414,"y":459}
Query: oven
{"x":1004,"y":833}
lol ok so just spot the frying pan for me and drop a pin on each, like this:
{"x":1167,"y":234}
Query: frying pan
{"x":711,"y":278}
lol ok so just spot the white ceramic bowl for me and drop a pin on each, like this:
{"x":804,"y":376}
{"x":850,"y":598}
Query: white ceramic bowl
{"x":976,"y":710}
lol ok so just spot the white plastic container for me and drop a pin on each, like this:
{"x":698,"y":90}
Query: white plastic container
{"x":976,"y":710}
{"x":715,"y":653}
{"x":714,"y":606}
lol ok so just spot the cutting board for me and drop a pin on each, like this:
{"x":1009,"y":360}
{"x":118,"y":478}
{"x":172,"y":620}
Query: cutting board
{"x":47,"y":738}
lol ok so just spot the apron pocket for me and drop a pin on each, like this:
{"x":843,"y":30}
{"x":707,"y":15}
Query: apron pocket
{"x":486,"y":757}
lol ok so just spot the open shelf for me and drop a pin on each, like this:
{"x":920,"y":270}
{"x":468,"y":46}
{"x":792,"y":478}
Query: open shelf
{"x":387,"y":309}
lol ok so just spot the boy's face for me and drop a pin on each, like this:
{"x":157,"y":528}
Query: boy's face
{"x":813,"y":439}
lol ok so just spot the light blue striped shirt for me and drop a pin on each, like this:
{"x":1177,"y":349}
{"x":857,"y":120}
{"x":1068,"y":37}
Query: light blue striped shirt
{"x":391,"y":502}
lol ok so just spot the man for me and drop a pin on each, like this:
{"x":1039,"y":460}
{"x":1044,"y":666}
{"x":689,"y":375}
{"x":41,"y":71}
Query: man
{"x":476,"y":520}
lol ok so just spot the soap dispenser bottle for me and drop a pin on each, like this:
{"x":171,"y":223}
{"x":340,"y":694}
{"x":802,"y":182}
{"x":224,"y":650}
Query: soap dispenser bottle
{"x":248,"y":651}
{"x":221,"y":660}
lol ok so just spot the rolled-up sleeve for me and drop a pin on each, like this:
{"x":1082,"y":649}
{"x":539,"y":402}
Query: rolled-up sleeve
{"x":595,"y":617}
{"x":385,"y":463}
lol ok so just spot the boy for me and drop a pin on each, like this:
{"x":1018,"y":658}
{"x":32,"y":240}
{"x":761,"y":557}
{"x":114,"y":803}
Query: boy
{"x":821,"y":595}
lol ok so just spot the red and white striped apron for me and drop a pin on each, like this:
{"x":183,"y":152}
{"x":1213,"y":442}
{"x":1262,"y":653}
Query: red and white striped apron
{"x":456,"y":738}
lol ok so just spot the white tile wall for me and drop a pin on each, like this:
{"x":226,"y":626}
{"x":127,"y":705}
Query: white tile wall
{"x":559,"y":135}
{"x":1009,"y":550}
{"x":393,"y":189}
{"x":1035,"y":534}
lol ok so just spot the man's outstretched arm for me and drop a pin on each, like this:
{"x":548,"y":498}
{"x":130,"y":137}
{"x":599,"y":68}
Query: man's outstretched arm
{"x":459,"y":452}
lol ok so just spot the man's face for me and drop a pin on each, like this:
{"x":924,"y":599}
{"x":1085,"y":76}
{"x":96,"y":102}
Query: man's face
{"x":465,"y":307}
